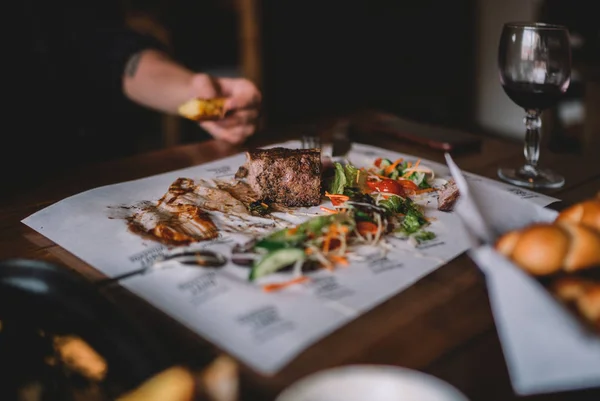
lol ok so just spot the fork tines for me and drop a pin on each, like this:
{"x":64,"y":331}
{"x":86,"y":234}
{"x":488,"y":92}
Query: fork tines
{"x":311,"y":142}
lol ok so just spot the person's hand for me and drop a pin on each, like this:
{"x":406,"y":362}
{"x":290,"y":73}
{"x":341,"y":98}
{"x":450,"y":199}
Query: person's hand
{"x":242,"y":106}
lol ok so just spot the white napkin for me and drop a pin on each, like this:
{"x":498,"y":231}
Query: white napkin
{"x":546,"y":348}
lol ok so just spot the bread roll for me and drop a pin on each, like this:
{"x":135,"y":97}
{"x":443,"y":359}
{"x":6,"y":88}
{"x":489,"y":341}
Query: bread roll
{"x":546,"y":248}
{"x":587,"y":213}
{"x":589,"y":304}
{"x":203,"y":109}
{"x":581,"y":293}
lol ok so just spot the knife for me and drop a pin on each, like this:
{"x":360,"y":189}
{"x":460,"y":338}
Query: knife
{"x":201,"y":258}
{"x":468,"y":209}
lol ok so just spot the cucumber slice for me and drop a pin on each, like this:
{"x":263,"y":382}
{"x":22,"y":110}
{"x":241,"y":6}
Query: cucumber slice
{"x":276,"y":260}
{"x":385,"y":163}
{"x":269,"y":245}
{"x":311,"y":226}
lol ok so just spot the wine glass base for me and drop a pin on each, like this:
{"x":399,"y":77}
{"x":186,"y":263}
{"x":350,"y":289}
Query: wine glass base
{"x":538,"y":179}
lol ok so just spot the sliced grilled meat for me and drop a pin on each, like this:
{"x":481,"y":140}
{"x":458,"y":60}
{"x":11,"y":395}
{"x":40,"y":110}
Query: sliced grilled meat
{"x":448,"y":195}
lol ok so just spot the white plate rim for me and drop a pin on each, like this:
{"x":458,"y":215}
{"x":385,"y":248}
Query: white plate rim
{"x":296,"y":391}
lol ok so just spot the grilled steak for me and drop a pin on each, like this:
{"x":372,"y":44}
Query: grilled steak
{"x":291,"y":177}
{"x":448,"y":195}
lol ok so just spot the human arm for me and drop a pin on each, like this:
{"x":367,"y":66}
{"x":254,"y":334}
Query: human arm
{"x":120,"y":64}
{"x":152,"y":79}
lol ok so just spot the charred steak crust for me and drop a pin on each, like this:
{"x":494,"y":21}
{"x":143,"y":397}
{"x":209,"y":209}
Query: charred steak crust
{"x":291,"y":177}
{"x":241,"y":173}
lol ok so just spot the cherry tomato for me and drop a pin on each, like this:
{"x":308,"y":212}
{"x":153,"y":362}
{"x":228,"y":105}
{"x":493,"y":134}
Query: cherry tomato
{"x":388,"y":185}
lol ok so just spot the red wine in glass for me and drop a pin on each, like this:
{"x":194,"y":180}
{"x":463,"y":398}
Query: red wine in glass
{"x":533,"y":96}
{"x":534,"y":62}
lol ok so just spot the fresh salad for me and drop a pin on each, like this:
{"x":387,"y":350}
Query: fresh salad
{"x":367,"y":204}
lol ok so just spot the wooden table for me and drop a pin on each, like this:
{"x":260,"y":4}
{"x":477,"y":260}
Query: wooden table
{"x":441,"y":325}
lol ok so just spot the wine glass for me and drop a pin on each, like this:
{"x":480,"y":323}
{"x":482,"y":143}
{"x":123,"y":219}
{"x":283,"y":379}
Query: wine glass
{"x":534,"y":62}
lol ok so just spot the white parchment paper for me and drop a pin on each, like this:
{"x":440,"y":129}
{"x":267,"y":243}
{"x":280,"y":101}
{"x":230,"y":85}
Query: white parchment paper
{"x":263,"y":330}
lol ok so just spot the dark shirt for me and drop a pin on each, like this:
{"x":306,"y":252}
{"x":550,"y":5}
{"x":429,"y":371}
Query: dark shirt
{"x":69,"y":105}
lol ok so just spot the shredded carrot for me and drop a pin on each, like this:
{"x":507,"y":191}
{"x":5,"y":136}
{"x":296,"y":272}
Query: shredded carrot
{"x":392,"y":167}
{"x":332,"y":239}
{"x":339,"y":259}
{"x":422,"y":191}
{"x":280,"y":286}
{"x":337,"y":199}
{"x":339,"y":196}
{"x":328,"y":210}
{"x":328,"y":236}
{"x":412,"y":169}
{"x":326,"y":242}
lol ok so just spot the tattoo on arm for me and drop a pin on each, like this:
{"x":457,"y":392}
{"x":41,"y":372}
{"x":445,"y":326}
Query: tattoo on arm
{"x":132,"y":64}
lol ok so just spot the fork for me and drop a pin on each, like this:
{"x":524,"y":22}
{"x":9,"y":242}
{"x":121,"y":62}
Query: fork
{"x":311,"y":142}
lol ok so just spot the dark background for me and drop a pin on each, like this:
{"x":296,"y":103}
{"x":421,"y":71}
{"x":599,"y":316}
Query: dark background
{"x":323,"y":57}
{"x":398,"y":55}
{"x":414,"y":58}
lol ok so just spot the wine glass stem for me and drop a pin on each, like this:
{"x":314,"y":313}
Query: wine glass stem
{"x":533,"y":123}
